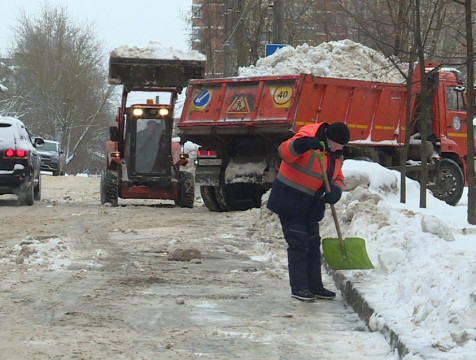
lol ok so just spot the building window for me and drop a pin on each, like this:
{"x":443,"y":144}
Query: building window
{"x":196,"y":11}
{"x":196,"y":33}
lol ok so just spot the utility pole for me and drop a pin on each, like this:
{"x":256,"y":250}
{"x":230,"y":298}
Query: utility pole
{"x":278,"y":22}
{"x":228,"y":32}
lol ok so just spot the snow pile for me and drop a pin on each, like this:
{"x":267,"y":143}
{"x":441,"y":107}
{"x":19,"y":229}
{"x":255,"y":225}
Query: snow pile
{"x":52,"y":253}
{"x":341,"y":59}
{"x":424,"y":282}
{"x":156,"y":50}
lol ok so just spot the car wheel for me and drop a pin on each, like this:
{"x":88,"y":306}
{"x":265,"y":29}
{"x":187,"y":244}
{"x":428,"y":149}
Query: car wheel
{"x":27,"y":194}
{"x":37,"y":190}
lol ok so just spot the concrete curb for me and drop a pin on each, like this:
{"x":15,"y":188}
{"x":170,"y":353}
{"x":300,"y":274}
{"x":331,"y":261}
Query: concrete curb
{"x":358,"y":303}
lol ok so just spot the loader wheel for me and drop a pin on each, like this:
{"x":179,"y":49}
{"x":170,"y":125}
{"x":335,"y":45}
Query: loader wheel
{"x":187,"y":190}
{"x":109,"y":191}
{"x":449,"y":182}
{"x":209,"y":198}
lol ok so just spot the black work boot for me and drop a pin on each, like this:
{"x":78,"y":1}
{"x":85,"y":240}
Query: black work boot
{"x":303,"y":295}
{"x":323,"y":293}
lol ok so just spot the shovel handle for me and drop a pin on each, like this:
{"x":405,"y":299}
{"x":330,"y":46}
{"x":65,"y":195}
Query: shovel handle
{"x":320,"y":158}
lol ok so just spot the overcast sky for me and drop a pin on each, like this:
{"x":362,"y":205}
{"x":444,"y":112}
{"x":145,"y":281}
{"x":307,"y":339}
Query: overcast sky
{"x":115,"y":22}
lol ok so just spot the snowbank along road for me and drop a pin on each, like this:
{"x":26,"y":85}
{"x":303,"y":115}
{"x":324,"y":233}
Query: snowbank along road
{"x":85,"y":281}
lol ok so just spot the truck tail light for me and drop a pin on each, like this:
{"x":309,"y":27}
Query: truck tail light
{"x":201,"y":152}
{"x":12,"y":153}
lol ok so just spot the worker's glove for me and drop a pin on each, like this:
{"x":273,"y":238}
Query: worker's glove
{"x":303,"y":144}
{"x":333,"y":196}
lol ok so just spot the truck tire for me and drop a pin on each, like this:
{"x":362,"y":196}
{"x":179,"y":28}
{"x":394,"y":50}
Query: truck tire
{"x":236,"y":197}
{"x":209,"y":198}
{"x":109,"y":188}
{"x":187,"y":190}
{"x":221,"y":197}
{"x":37,"y":190}
{"x":449,"y":182}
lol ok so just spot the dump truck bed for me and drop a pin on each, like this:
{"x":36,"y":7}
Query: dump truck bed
{"x":140,"y":73}
{"x":373,"y":111}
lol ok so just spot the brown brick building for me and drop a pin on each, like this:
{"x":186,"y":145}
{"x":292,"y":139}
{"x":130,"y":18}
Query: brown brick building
{"x":248,"y":27}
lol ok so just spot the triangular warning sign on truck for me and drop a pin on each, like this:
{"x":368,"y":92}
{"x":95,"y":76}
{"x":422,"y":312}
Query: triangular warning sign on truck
{"x":239,"y":105}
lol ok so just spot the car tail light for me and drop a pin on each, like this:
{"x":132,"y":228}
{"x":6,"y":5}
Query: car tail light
{"x":21,"y":153}
{"x":12,"y":153}
{"x":9,"y":153}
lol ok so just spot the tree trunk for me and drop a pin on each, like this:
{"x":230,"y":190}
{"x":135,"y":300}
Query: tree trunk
{"x":406,"y":145}
{"x":469,"y":112}
{"x":423,"y":105}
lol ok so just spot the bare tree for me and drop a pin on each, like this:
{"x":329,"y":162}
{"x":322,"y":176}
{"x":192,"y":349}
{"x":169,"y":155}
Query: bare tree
{"x":61,"y":80}
{"x":470,"y":107}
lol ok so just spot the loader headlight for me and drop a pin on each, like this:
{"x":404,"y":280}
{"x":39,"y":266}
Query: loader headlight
{"x":137,"y":112}
{"x":163,"y":112}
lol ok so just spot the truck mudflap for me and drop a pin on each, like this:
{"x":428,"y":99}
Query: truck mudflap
{"x":143,"y":73}
{"x":207,"y":175}
{"x":245,"y":170}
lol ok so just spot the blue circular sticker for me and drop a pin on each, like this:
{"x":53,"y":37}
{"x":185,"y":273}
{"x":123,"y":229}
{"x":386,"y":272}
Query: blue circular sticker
{"x":457,"y":123}
{"x":202,"y":98}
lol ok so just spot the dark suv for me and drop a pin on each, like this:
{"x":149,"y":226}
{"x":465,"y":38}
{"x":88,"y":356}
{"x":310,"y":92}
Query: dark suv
{"x":19,"y":161}
{"x":52,"y":158}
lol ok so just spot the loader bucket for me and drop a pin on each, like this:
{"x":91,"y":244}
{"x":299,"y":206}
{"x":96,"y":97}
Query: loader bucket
{"x":139,"y":73}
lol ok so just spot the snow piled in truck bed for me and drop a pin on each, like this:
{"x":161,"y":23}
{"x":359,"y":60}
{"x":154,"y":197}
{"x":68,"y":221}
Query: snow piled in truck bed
{"x":156,"y":50}
{"x":341,"y":59}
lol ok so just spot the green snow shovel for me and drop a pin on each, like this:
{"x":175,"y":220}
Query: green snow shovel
{"x":350,"y":254}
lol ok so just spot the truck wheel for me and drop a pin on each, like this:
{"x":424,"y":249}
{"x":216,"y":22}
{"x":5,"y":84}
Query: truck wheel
{"x":222,"y":198}
{"x":187,"y":190}
{"x":27,"y":196}
{"x":209,"y":198}
{"x":449,"y":182}
{"x":236,"y":197}
{"x":37,"y":190}
{"x":109,"y":190}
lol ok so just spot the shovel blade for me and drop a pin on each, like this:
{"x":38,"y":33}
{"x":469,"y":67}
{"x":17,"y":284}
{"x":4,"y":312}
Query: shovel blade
{"x":354,"y":257}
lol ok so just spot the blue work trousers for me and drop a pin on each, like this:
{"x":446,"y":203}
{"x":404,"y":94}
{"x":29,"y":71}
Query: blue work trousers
{"x":304,"y":256}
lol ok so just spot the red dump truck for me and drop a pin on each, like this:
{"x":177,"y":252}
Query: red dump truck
{"x":240,"y":122}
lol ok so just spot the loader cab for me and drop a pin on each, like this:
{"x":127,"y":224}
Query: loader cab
{"x":148,"y":133}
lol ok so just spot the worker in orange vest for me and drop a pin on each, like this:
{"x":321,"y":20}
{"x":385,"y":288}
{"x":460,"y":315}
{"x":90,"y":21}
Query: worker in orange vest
{"x":298,"y":196}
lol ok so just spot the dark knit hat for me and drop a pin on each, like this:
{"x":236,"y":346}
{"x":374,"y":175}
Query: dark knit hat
{"x":338,"y":132}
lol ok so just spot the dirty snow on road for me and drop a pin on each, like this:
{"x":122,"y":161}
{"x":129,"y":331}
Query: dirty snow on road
{"x":85,"y":281}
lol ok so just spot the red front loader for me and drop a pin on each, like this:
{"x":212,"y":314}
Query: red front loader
{"x":142,"y":161}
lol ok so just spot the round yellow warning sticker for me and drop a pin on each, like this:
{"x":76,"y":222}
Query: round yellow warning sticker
{"x":281,"y":95}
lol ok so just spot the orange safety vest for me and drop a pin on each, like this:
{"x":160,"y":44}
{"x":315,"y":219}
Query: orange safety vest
{"x":303,"y":171}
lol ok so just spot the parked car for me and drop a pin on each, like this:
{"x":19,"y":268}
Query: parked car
{"x":19,"y":161}
{"x":52,"y":157}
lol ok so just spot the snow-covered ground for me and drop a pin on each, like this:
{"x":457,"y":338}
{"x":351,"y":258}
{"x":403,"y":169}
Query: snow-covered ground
{"x":424,"y":282}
